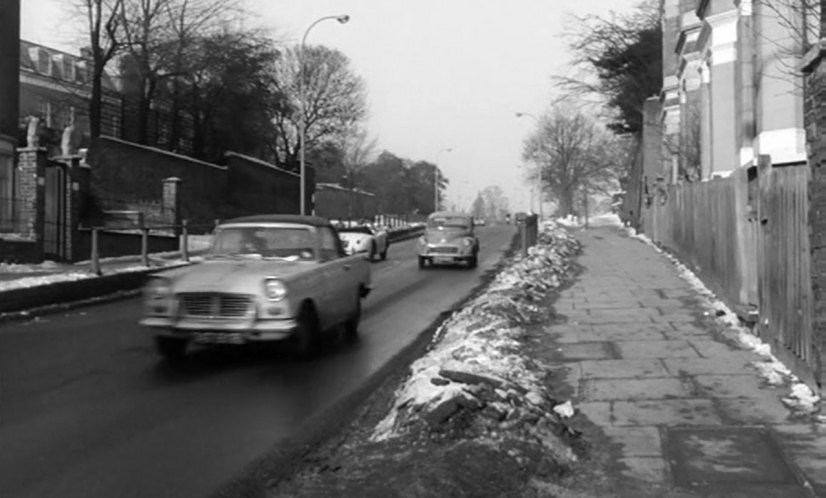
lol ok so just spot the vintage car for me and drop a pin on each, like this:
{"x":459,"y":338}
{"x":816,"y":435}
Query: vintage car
{"x":448,"y":238}
{"x":264,"y":278}
{"x":365,"y":238}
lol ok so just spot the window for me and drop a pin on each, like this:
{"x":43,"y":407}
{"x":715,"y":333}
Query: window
{"x":330,"y":245}
{"x":44,"y":63}
{"x":81,"y":70}
{"x":68,"y":69}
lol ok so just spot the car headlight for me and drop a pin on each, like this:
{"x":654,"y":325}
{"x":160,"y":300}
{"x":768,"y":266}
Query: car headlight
{"x":467,"y":241}
{"x":157,"y":288}
{"x":274,"y":289}
{"x":422,"y":241}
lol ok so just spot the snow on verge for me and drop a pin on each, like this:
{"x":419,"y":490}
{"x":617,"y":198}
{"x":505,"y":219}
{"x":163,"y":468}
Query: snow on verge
{"x":475,"y":362}
{"x":802,"y":398}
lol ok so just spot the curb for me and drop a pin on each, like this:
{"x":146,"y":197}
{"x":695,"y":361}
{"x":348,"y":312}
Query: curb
{"x":27,"y":302}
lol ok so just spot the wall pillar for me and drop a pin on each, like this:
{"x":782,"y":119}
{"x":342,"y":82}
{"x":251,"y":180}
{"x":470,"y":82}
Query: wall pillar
{"x":705,"y":122}
{"x":171,"y":202}
{"x":723,"y":92}
{"x":31,"y":194}
{"x":815,"y":124}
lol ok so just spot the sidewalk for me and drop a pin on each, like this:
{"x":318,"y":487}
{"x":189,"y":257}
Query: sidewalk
{"x":668,"y":391}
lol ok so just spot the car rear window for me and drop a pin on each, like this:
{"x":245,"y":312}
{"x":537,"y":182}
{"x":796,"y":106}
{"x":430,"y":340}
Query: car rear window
{"x":448,"y":222}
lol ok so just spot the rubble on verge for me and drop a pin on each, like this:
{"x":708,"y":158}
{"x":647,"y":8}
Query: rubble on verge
{"x":476,"y":380}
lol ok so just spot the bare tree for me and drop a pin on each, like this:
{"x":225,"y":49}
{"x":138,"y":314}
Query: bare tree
{"x":495,"y":202}
{"x":576,"y":155}
{"x":358,"y":149}
{"x":105,"y":37}
{"x":335,"y":100}
{"x":617,"y":59}
{"x":158,"y":38}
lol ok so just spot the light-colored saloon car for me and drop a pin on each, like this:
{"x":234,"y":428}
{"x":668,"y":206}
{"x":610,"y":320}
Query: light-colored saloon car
{"x":265,"y":278}
{"x":448,"y":238}
{"x":366,"y":239}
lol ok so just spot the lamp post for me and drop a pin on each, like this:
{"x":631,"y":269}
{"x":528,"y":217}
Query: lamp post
{"x":436,"y":179}
{"x":303,"y":98}
{"x":539,"y":167}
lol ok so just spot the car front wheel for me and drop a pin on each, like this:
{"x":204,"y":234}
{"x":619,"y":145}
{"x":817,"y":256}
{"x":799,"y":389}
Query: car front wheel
{"x":422,"y":262}
{"x":384,"y":252}
{"x":305,"y":341}
{"x":171,"y":349}
{"x":351,"y":327}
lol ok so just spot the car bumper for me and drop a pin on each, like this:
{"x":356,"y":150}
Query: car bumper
{"x":457,"y":253}
{"x":235,"y":332}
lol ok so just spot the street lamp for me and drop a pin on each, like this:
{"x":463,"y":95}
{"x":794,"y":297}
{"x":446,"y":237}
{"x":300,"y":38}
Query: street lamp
{"x":303,"y":98}
{"x":436,"y":179}
{"x":539,"y":166}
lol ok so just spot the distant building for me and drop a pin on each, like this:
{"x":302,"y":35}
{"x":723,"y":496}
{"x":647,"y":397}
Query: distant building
{"x":56,"y":87}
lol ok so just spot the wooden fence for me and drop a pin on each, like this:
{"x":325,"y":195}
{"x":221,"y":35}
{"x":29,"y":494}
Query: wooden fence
{"x":747,"y":238}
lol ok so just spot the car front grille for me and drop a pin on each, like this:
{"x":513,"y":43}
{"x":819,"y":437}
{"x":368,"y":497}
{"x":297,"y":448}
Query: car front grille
{"x":200,"y":304}
{"x":444,"y":249}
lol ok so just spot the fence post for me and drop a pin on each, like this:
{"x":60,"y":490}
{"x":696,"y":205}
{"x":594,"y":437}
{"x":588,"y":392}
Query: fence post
{"x":95,"y":252}
{"x":184,"y":241}
{"x":144,"y":241}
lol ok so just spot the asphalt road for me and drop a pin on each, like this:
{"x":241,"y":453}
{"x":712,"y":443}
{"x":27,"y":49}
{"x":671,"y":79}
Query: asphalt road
{"x":88,"y":410}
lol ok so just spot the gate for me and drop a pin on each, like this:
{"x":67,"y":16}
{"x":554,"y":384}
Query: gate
{"x":55,"y":216}
{"x":784,"y":279}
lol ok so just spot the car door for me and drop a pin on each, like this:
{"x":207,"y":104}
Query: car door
{"x":340,"y":284}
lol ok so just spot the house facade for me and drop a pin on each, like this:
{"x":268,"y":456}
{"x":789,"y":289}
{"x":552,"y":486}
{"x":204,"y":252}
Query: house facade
{"x":55,"y":86}
{"x":732,"y":85}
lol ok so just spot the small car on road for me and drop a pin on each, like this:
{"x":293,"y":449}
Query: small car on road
{"x":264,"y":278}
{"x":448,"y":238}
{"x":366,"y":239}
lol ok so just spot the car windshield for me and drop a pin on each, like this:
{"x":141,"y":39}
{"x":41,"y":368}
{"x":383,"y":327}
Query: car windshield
{"x":291,"y":243}
{"x":449,"y":223}
{"x":360,"y":229}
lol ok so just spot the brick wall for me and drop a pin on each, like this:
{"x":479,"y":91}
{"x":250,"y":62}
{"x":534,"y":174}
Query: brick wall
{"x":125,"y":174}
{"x":336,"y":202}
{"x":257,"y":187}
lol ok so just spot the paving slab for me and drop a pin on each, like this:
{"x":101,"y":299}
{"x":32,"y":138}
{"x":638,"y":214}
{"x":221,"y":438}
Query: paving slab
{"x":598,"y":412}
{"x":735,"y":386}
{"x":710,"y":348}
{"x":647,"y":469}
{"x":741,"y":459}
{"x":805,"y":444}
{"x":586,"y":351}
{"x":623,"y":369}
{"x":667,"y":412}
{"x":733,"y":364}
{"x":637,"y":441}
{"x":656,"y":349}
{"x":749,"y":411}
{"x":634,"y":389}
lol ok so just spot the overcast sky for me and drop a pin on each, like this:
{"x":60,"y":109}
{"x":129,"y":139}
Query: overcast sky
{"x":440,"y":73}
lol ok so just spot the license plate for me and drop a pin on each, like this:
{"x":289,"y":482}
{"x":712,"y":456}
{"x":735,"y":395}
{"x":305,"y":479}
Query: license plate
{"x":443,"y":259}
{"x":218,"y":338}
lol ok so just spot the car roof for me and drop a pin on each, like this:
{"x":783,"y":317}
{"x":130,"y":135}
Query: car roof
{"x":281,"y":218}
{"x":449,"y":214}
